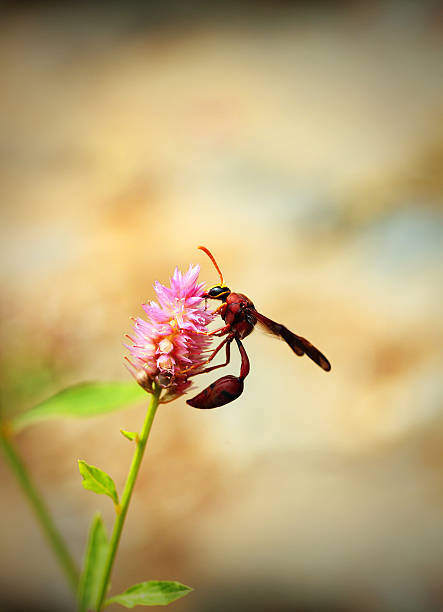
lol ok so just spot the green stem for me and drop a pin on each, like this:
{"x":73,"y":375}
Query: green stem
{"x":38,"y":505}
{"x":126,"y":496}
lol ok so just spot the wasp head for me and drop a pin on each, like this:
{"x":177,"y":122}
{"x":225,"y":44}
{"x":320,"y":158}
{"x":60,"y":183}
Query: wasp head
{"x":218,"y":292}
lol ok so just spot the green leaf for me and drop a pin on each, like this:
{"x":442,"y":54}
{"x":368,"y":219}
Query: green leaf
{"x":130,"y":435}
{"x":84,"y":400}
{"x":93,"y":567}
{"x":152,"y":593}
{"x":95,"y":479}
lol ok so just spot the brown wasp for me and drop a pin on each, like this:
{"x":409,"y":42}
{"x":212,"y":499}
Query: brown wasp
{"x":240,"y":316}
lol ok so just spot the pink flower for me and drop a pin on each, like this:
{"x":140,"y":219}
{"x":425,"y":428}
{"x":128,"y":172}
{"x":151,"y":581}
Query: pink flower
{"x":172,"y":338}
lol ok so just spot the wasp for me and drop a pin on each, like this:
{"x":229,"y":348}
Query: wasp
{"x":240,"y":317}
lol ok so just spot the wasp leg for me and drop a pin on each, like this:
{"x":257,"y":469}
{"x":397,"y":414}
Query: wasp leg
{"x":210,"y":358}
{"x":220,"y":309}
{"x":225,"y":389}
{"x":217,"y":332}
{"x":226,"y":341}
{"x":222,"y":331}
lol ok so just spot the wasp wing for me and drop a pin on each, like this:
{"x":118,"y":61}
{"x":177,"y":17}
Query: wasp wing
{"x":299,"y":345}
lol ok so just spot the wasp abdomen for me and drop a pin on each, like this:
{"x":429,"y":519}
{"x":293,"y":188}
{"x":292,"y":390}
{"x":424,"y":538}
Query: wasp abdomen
{"x":219,"y":393}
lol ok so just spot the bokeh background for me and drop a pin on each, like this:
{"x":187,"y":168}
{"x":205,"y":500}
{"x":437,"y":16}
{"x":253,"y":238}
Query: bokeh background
{"x":303,"y":143}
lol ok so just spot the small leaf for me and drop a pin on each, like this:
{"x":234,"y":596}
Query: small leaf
{"x":95,"y":479}
{"x":130,"y":435}
{"x":152,"y":593}
{"x":93,"y":567}
{"x":84,"y":400}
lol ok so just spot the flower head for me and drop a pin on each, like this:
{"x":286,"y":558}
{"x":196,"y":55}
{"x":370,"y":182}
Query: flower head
{"x":166,"y":345}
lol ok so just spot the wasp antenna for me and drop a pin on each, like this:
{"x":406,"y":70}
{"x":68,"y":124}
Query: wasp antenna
{"x":211,"y":257}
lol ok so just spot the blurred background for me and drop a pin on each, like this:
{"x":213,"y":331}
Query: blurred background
{"x":302,"y":142}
